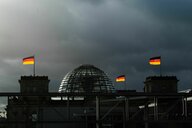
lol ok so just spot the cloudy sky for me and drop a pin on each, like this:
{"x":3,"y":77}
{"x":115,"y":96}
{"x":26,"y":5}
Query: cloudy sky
{"x":118,"y":36}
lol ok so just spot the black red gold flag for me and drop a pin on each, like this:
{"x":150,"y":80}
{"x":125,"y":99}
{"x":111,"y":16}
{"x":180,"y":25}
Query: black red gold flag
{"x":155,"y":61}
{"x":120,"y":78}
{"x":29,"y":60}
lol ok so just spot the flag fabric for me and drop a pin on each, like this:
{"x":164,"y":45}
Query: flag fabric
{"x":120,"y":78}
{"x":29,"y":60}
{"x":155,"y":61}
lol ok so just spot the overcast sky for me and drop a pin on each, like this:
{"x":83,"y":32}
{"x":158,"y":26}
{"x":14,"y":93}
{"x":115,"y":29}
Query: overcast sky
{"x":118,"y":36}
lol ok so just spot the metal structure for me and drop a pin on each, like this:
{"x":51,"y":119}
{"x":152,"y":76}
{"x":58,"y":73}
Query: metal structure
{"x":133,"y":110}
{"x":86,"y":78}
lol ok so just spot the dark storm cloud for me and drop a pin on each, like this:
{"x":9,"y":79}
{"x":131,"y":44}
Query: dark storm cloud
{"x":173,"y":11}
{"x":117,"y":36}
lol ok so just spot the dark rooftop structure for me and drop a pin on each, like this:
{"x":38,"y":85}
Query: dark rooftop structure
{"x":31,"y":84}
{"x":161,"y":84}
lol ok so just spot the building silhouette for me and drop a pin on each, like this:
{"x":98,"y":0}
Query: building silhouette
{"x":87,"y":99}
{"x":26,"y":108}
{"x":161,"y":84}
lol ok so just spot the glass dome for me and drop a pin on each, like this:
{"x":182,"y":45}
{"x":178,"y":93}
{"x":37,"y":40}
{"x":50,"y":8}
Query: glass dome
{"x":86,"y":78}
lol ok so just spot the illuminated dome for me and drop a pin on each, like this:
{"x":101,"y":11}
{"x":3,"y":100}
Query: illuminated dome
{"x":86,"y":78}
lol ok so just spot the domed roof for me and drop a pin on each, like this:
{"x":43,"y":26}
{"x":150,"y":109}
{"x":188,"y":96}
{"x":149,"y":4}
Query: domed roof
{"x":86,"y":78}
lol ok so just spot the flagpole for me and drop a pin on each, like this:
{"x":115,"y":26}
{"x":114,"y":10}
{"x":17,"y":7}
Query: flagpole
{"x":156,"y":61}
{"x":122,"y":79}
{"x":125,"y":84}
{"x":34,"y":66}
{"x":160,"y":66}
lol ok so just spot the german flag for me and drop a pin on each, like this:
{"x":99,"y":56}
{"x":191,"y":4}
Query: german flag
{"x":120,"y":78}
{"x":155,"y":60}
{"x":29,"y":60}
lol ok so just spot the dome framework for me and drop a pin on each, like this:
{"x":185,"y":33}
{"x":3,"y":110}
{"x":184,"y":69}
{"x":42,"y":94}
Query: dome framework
{"x":86,"y":78}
